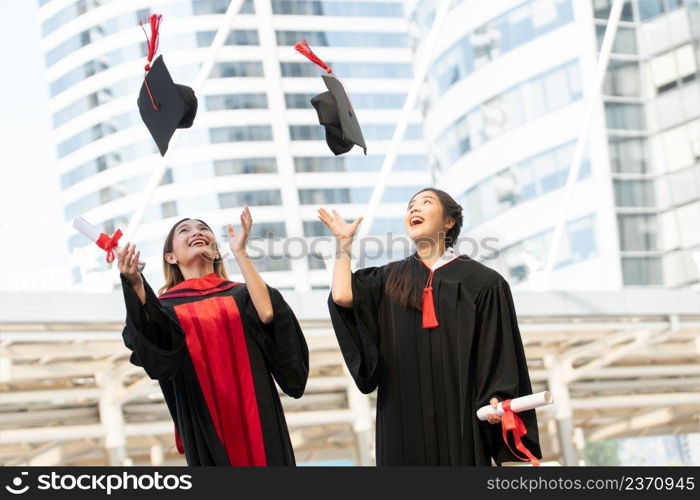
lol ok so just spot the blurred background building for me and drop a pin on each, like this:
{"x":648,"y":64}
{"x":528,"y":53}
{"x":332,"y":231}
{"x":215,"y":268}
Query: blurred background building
{"x":615,"y":338}
{"x":504,"y":108}
{"x":256,"y":140}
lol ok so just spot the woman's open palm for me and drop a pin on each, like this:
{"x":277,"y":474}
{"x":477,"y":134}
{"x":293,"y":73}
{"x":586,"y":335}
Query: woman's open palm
{"x":340,"y":229}
{"x":237,"y":240}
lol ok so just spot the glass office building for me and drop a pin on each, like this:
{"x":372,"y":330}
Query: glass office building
{"x":503,"y":113}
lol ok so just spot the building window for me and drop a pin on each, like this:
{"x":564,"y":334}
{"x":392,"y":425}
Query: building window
{"x":684,"y":186}
{"x":169,"y":209}
{"x":359,"y":101}
{"x":634,"y":193}
{"x":640,"y":271}
{"x":356,"y":8}
{"x":204,"y":7}
{"x":519,"y":104}
{"x":578,"y":244}
{"x":98,"y":131}
{"x":519,"y":183}
{"x":344,"y":38}
{"x":235,"y":37}
{"x":392,"y":194}
{"x":66,"y":15}
{"x":629,"y":154}
{"x":241,"y":133}
{"x":625,"y":39}
{"x":263,"y":230}
{"x":268,"y":197}
{"x":681,"y":145}
{"x":307,"y":133}
{"x":625,"y":116}
{"x":237,"y":69}
{"x":622,"y":79}
{"x":315,"y":228}
{"x":357,"y":163}
{"x":349,"y":69}
{"x":638,"y":232}
{"x":381,"y":226}
{"x":489,"y":41}
{"x":98,"y":98}
{"x":370,"y":131}
{"x":315,"y":262}
{"x":106,"y":161}
{"x":236,"y":101}
{"x":263,"y":263}
{"x":243,"y":166}
{"x":650,"y":8}
{"x":674,"y":68}
{"x":601,"y":10}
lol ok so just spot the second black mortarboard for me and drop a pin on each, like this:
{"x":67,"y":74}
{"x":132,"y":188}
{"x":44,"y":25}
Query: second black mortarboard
{"x":164,"y":105}
{"x":334,"y":109}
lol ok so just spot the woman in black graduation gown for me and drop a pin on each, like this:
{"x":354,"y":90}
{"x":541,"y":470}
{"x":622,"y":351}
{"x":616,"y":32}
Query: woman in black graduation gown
{"x":214,"y":346}
{"x":437,"y":335}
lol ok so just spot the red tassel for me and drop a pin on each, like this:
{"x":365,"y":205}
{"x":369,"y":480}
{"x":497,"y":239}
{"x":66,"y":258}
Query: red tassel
{"x":152,"y":42}
{"x":429,"y":317}
{"x":303,"y":48}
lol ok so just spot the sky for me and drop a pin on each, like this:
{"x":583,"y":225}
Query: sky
{"x":30,"y":216}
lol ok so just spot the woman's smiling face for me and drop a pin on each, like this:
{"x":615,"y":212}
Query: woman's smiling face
{"x":192,"y":239}
{"x":425,"y":217}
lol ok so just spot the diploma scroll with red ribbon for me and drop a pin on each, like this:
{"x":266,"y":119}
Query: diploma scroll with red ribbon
{"x":110,"y":244}
{"x":510,"y":422}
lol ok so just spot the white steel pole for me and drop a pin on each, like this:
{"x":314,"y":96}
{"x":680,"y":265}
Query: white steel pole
{"x":592,"y":98}
{"x":421,"y":68}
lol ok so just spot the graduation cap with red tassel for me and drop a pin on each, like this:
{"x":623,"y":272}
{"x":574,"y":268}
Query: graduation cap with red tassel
{"x":164,"y":105}
{"x":334,"y":108}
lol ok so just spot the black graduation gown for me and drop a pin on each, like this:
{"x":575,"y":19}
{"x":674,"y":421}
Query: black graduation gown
{"x":431,"y":382}
{"x":215,"y":362}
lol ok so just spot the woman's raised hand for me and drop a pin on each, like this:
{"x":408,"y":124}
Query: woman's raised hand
{"x":128,"y":264}
{"x":340,"y":229}
{"x":237,"y":241}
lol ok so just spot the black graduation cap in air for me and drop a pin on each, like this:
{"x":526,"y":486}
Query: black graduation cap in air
{"x":163,"y":104}
{"x":334,"y":109}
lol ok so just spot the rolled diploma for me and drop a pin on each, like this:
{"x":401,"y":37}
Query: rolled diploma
{"x":93,"y":234}
{"x":523,"y":403}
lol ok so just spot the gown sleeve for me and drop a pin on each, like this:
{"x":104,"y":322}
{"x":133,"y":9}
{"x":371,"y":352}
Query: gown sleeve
{"x":357,"y":327}
{"x":282,"y":343}
{"x":502,"y":369}
{"x":155,"y":338}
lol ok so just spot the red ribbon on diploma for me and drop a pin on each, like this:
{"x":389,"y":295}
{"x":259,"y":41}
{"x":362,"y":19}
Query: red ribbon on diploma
{"x":109,"y":243}
{"x":512,"y":422}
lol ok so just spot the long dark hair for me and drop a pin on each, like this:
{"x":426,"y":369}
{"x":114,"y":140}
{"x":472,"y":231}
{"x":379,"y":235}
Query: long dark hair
{"x":173,"y":275}
{"x":401,"y":285}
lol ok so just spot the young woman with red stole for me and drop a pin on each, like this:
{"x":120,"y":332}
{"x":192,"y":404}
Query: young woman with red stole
{"x":215,"y":347}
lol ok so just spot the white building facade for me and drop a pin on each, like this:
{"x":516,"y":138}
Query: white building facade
{"x":504,"y":110}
